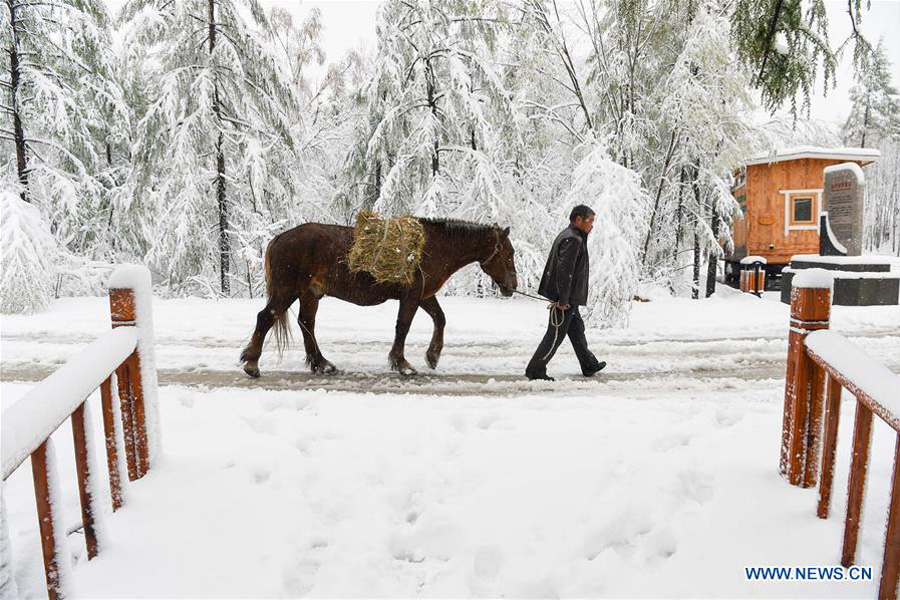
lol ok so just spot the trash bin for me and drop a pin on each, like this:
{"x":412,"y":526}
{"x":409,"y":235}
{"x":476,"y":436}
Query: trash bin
{"x":753,"y":275}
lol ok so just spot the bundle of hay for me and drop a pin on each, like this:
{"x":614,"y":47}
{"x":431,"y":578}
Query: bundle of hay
{"x":388,"y":249}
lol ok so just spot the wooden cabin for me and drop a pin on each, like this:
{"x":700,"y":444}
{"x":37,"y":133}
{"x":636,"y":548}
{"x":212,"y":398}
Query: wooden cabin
{"x":780,"y":198}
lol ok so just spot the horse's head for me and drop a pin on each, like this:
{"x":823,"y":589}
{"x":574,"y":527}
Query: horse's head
{"x":499,"y":262}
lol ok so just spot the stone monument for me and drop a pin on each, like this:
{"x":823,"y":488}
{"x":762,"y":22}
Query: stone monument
{"x":845,"y":186}
{"x":858,"y":280}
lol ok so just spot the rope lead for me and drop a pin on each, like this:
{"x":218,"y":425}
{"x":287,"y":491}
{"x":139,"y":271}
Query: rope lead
{"x":557,"y":316}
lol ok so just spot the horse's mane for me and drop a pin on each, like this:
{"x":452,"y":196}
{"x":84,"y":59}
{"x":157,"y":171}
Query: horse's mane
{"x":457,"y":227}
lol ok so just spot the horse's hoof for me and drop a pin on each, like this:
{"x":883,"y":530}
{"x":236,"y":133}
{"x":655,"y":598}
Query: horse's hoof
{"x":408,"y":371}
{"x":254,"y":373}
{"x":326,"y":368}
{"x":432,"y":358}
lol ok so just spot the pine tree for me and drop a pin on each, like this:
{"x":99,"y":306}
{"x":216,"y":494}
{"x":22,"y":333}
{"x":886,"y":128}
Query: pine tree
{"x":875,"y":114}
{"x":783,"y":42}
{"x":60,"y":95}
{"x":436,"y":112}
{"x":222,"y":115}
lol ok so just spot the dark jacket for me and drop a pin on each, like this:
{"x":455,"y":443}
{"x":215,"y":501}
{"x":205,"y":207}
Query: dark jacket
{"x":565,"y":277}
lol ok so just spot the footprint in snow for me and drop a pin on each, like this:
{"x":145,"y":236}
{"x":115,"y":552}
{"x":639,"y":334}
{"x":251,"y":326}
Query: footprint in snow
{"x":669,"y":441}
{"x":726,"y":417}
{"x":299,"y":573}
{"x":260,"y":475}
{"x":488,"y":420}
{"x":488,"y":562}
{"x":622,"y":534}
{"x":458,"y":422}
{"x":303,"y":445}
{"x":660,"y":544}
{"x":262,"y":424}
{"x":696,"y":485}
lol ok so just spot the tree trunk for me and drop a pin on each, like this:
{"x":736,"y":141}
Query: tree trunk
{"x":679,"y":218}
{"x":224,"y":253}
{"x":865,"y":125}
{"x":713,"y":256}
{"x":695,"y":280}
{"x":679,"y":212}
{"x":770,"y":35}
{"x":221,"y":197}
{"x":432,"y":104}
{"x":377,"y":182}
{"x":18,"y":130}
{"x":695,"y":286}
{"x":659,"y":189}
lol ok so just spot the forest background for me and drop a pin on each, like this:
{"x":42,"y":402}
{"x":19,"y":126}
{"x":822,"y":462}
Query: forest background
{"x":184,"y":134}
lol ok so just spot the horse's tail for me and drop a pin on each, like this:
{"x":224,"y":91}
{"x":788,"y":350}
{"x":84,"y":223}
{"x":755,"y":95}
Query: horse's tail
{"x":280,"y":328}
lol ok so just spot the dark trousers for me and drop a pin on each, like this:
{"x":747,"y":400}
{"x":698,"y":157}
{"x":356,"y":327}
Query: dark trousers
{"x":572,"y":325}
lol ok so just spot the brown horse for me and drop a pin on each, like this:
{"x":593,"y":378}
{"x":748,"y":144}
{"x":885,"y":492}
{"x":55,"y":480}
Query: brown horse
{"x":310,"y":261}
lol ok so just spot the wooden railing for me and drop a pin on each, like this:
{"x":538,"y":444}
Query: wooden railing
{"x":28,"y":424}
{"x":818,"y":360}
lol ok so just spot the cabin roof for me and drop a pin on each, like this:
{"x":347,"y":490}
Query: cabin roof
{"x":863,"y":155}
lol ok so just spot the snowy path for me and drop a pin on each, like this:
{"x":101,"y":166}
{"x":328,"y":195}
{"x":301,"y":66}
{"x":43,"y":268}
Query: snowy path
{"x":710,"y":344}
{"x":713,"y":363}
{"x":657,"y":479}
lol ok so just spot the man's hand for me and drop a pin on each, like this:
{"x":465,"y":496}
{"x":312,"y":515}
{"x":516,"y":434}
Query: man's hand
{"x":561,"y":306}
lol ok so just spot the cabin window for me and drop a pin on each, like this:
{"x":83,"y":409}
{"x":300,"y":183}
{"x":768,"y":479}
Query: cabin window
{"x":802,"y":209}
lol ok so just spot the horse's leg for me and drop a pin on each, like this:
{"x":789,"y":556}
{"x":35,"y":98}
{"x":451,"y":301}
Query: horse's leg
{"x":408,"y":307}
{"x":273,"y":312}
{"x":431,"y":306}
{"x":309,"y":305}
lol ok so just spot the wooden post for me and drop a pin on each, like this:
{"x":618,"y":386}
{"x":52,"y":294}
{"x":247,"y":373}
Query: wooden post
{"x":121,"y":307}
{"x":810,"y":311}
{"x":890,"y":568}
{"x":832,"y":420}
{"x":83,"y":470}
{"x":859,"y":465}
{"x":126,"y":404}
{"x":814,"y":430}
{"x":133,"y":364}
{"x":46,"y":521}
{"x":112,"y":451}
{"x":124,"y":314}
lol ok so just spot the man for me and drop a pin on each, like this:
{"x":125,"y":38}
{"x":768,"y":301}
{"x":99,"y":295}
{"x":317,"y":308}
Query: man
{"x":565,"y":284}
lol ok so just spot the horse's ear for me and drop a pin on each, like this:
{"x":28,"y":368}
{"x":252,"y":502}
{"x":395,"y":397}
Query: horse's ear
{"x":506,"y":232}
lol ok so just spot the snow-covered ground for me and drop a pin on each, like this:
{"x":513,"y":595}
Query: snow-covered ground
{"x":658,"y":479}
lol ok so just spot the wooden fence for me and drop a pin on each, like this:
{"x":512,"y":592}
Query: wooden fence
{"x":820,"y":360}
{"x":29,"y":423}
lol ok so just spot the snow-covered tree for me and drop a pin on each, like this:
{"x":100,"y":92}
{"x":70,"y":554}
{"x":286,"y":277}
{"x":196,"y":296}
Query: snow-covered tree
{"x":437,"y":113}
{"x":882,"y":211}
{"x":59,"y":87}
{"x":875,"y":114}
{"x":27,"y":252}
{"x":706,"y":107}
{"x":61,"y":107}
{"x":213,"y":140}
{"x":621,"y":208}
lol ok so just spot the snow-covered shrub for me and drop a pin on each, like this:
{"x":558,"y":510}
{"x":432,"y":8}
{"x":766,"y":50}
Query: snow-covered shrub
{"x":621,"y":208}
{"x":27,"y":255}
